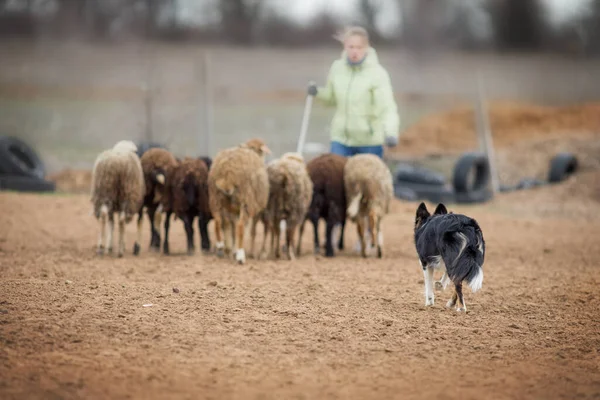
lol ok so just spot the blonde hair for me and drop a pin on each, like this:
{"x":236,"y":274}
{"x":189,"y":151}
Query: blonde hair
{"x":349,"y":31}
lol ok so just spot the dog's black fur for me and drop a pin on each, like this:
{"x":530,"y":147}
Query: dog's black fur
{"x":454,"y":240}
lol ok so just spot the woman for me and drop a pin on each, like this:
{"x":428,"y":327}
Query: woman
{"x":359,"y":87}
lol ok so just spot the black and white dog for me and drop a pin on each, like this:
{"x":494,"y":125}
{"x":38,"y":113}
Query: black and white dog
{"x":454,"y":241}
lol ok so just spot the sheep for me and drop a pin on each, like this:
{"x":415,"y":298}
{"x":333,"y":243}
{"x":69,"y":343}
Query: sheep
{"x":290,"y":193}
{"x":328,"y":200}
{"x":369,"y":190}
{"x":188,"y":197}
{"x":117,"y":187}
{"x":157,"y":163}
{"x":238,"y":188}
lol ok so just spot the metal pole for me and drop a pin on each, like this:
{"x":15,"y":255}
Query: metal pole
{"x":208,"y":104}
{"x":149,"y":92}
{"x":484,"y":132}
{"x":304,"y":126}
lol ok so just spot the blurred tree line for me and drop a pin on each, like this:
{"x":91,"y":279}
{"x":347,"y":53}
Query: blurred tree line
{"x":425,"y":24}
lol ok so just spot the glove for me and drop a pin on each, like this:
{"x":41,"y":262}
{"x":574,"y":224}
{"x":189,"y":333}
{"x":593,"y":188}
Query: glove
{"x":312,"y":89}
{"x":391,"y":141}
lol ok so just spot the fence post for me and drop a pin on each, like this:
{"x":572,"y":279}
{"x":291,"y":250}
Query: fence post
{"x":484,"y":133}
{"x":208,"y":106}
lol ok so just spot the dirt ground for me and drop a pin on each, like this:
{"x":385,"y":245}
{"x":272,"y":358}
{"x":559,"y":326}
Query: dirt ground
{"x":74,"y":325}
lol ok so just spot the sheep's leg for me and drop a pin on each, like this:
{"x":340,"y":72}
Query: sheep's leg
{"x":189,"y":231}
{"x":360,"y":227}
{"x":101,"y":236}
{"x":300,"y":233}
{"x":138,"y":240}
{"x":341,"y":242}
{"x":154,"y":218}
{"x":240,"y":254}
{"x":317,"y":247}
{"x":110,"y":233}
{"x":289,"y":239}
{"x":329,"y":238}
{"x":275,"y":237}
{"x":203,"y":229}
{"x":167,"y":226}
{"x":228,"y":232}
{"x":121,"y":234}
{"x":263,"y":250}
{"x":219,"y":247}
{"x":379,"y":238}
{"x":253,"y":237}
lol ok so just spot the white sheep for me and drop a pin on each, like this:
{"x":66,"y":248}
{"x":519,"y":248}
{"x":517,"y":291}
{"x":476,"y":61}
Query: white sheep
{"x":369,"y":190}
{"x":117,"y":187}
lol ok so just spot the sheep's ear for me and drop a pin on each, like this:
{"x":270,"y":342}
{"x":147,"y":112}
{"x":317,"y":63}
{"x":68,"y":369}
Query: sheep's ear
{"x":422,"y":215}
{"x":265,"y":149}
{"x":440,"y":210}
{"x":160,"y":178}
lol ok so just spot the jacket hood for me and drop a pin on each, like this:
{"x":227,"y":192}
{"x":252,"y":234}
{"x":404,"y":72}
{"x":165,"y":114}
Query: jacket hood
{"x":371,"y":59}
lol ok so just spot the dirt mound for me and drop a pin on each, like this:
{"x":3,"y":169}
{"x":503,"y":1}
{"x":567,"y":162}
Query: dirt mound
{"x":72,"y":180}
{"x":454,"y":130}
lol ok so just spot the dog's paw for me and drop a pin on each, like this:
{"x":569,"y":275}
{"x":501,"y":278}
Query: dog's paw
{"x":461,"y":309}
{"x":429,"y":301}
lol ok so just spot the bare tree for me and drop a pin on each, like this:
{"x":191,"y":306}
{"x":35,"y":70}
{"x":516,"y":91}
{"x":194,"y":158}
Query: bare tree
{"x":369,"y":10}
{"x":240,"y":18}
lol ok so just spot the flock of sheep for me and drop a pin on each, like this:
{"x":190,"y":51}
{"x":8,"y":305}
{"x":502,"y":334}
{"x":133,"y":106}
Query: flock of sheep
{"x":238,"y":190}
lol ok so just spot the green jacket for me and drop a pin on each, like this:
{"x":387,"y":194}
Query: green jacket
{"x":366,"y":111}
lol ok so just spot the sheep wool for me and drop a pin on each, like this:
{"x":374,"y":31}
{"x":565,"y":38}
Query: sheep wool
{"x":117,"y":187}
{"x":157,"y":164}
{"x":290,"y":193}
{"x":328,"y":200}
{"x":238,"y":188}
{"x":369,"y":190}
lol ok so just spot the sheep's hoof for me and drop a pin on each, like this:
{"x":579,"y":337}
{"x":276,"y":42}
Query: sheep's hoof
{"x":220,"y":249}
{"x":379,"y":253}
{"x":206,"y":251}
{"x":317,"y":250}
{"x":190,"y":252}
{"x":136,"y":249}
{"x":240,"y":256}
{"x":110,"y":250}
{"x":120,"y":255}
{"x":100,"y":251}
{"x":329,"y":252}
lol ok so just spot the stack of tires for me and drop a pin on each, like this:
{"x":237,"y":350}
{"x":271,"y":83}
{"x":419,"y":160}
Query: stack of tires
{"x":21,"y":169}
{"x":470,"y":182}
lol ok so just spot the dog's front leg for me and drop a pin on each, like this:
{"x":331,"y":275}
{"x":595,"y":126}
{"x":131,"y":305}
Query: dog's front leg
{"x":428,"y":278}
{"x":452,"y":302}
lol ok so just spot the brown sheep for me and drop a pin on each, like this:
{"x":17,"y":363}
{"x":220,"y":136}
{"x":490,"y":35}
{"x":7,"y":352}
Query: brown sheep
{"x":290,"y":193}
{"x":188,"y":197}
{"x":157,"y":164}
{"x":117,"y":187}
{"x":328,"y":200}
{"x":369,"y":191}
{"x":238,"y":188}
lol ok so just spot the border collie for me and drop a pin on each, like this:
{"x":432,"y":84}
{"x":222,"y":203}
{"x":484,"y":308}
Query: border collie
{"x":455,"y":242}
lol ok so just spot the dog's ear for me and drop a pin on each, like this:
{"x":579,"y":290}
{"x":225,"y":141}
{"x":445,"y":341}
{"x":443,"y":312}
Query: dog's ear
{"x":440,"y":210}
{"x":422,"y":215}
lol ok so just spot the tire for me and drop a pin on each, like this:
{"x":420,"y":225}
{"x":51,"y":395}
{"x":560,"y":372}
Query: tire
{"x":19,"y":159}
{"x":475,"y":164}
{"x":26,"y":184}
{"x":414,"y":174}
{"x":142,"y":147}
{"x":562,"y":166}
{"x":419,"y":191}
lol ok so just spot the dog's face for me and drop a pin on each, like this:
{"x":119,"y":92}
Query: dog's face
{"x":423,"y":214}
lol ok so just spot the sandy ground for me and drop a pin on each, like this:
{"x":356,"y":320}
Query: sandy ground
{"x":73,"y":325}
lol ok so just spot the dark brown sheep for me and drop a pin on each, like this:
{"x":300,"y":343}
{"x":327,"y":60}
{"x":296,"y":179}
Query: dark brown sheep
{"x":157,"y":164}
{"x":188,"y":198}
{"x":328,"y":200}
